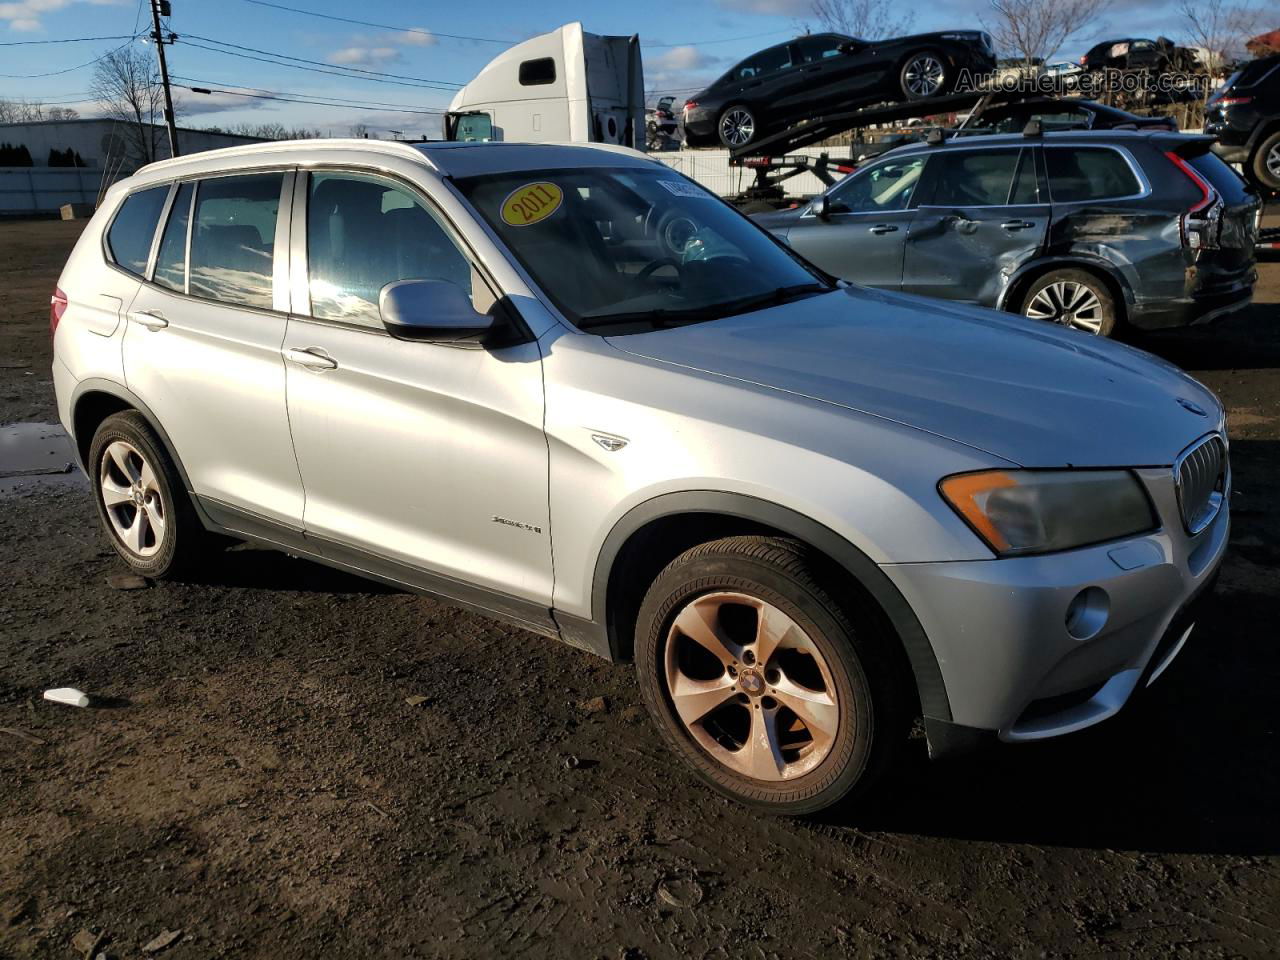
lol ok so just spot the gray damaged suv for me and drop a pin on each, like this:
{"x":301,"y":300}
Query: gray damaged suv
{"x":569,"y":388}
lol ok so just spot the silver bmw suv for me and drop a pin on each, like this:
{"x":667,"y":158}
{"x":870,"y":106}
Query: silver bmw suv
{"x":569,"y":388}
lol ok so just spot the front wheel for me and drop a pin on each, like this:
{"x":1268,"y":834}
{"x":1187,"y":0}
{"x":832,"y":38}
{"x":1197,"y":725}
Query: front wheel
{"x":1266,"y":162}
{"x":758,"y":678}
{"x":1074,"y":299}
{"x":737,"y":127}
{"x":924,"y":75}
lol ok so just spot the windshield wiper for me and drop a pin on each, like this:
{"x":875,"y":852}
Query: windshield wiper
{"x":662,"y":316}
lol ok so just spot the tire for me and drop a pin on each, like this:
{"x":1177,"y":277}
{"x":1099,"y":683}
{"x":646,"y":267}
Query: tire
{"x":1266,"y":161}
{"x":171,"y":538}
{"x":848,"y":677}
{"x":924,"y":74}
{"x":1073,"y":298}
{"x":737,"y":126}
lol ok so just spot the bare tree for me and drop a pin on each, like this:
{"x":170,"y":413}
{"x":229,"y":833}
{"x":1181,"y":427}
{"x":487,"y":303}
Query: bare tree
{"x":360,"y":130}
{"x":864,"y":19}
{"x":126,"y":83}
{"x":1035,"y":30}
{"x":63,"y":113}
{"x":1220,"y":27}
{"x":21,"y":111}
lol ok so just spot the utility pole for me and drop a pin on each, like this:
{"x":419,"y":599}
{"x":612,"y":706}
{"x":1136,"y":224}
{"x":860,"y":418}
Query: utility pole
{"x":157,"y":7}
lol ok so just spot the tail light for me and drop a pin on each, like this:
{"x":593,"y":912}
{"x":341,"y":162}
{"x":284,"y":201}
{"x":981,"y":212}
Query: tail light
{"x":1199,"y":225}
{"x":1084,"y":60}
{"x":57,"y":307}
{"x":690,"y":105}
{"x":1232,"y":101}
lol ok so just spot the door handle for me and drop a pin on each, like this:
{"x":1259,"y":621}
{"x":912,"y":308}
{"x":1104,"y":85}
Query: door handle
{"x":311,"y":357}
{"x":1017,"y":224}
{"x":151,"y":319}
{"x":882,"y":228}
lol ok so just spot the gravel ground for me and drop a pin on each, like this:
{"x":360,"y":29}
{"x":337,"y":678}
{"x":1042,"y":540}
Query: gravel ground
{"x":296,"y":763}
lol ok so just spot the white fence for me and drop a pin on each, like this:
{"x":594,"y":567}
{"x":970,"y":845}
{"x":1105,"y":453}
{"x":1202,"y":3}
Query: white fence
{"x":711,"y":169}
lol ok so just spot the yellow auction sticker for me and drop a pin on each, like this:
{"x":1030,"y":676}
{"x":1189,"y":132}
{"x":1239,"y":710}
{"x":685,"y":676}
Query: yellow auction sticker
{"x":531,"y":203}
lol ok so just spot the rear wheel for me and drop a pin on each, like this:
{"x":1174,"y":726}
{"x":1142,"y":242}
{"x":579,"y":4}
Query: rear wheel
{"x":924,"y":75}
{"x":737,"y":126}
{"x":1074,"y":299}
{"x":141,"y":499}
{"x":760,"y":681}
{"x":1266,"y":161}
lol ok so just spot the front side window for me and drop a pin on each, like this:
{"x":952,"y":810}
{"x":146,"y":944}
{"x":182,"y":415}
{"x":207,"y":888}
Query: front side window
{"x":639,"y":245}
{"x":974,"y":178}
{"x":233,"y":239}
{"x":134,"y":227}
{"x":819,"y":48}
{"x":363,"y":233}
{"x":1078,"y":174}
{"x":886,"y":186}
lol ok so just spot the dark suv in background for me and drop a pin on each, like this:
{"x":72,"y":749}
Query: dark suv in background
{"x":1245,"y":117}
{"x":1088,"y":229}
{"x":825,"y":72}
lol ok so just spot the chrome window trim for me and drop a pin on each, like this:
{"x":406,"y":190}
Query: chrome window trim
{"x":150,"y":269}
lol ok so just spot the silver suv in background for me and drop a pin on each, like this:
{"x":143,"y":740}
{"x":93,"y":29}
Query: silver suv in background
{"x":571,"y":389}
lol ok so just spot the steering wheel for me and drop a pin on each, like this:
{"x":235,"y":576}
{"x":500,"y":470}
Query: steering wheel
{"x":653,"y":265}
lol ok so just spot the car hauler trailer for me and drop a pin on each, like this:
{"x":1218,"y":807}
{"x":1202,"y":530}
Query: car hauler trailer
{"x":566,"y":85}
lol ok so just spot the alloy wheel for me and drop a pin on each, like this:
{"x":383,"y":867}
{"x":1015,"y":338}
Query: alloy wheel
{"x":923,"y":76}
{"x":1273,"y":161}
{"x":737,"y":127}
{"x":1070,"y":304}
{"x":750,"y":686}
{"x":131,"y":494}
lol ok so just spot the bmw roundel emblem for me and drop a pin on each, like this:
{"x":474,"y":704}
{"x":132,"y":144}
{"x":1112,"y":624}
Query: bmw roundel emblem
{"x":1195,"y":408}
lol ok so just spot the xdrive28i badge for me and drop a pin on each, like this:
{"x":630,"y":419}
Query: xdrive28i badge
{"x":1195,"y":408}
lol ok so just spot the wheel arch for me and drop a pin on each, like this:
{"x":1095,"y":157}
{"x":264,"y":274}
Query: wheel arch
{"x":1016,"y":289}
{"x":93,"y":401}
{"x":655,"y":532}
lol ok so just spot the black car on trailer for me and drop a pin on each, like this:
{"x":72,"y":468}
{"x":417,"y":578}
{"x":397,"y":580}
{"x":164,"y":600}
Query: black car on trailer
{"x":824,"y":72}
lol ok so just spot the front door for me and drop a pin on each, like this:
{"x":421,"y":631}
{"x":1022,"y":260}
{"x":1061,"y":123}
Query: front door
{"x":202,"y":345}
{"x":986,"y":214}
{"x":870,"y":216}
{"x":428,"y":457}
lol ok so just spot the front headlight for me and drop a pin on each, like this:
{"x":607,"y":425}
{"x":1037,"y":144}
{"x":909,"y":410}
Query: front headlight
{"x":1039,"y":511}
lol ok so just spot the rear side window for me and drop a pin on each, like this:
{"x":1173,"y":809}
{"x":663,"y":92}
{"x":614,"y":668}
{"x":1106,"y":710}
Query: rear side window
{"x":134,"y":227}
{"x":171,"y":261}
{"x":1079,"y":174}
{"x":233,"y":239}
{"x":535,"y":73}
{"x":974,"y":178}
{"x":363,"y":233}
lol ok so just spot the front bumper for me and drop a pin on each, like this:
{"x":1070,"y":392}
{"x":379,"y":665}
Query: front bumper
{"x":1012,"y":667}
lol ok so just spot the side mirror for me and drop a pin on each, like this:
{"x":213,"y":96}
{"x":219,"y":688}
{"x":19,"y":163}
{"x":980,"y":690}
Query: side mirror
{"x":822,"y":206}
{"x":431,"y":311}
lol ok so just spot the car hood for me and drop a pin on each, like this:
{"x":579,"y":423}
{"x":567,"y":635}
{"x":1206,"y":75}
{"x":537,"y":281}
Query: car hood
{"x":1023,"y":390}
{"x":779,"y":221}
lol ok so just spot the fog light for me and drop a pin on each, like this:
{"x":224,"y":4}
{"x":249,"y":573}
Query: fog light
{"x":1087,"y":613}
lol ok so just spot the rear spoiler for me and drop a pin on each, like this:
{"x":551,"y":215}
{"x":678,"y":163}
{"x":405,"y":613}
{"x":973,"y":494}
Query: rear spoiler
{"x":1188,"y":145}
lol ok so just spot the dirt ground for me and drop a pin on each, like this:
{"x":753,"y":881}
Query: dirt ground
{"x":260,"y":785}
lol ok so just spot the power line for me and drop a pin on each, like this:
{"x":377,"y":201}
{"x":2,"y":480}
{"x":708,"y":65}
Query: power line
{"x":58,"y":73}
{"x":321,"y":63}
{"x":456,"y":36}
{"x":318,"y":100}
{"x":24,"y":43}
{"x":330,"y":69}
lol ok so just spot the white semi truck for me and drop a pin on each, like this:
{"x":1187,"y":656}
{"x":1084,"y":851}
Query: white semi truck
{"x":566,"y":85}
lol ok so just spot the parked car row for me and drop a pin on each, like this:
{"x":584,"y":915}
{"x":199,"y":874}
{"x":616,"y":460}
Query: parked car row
{"x":1084,"y":228}
{"x":1244,"y":117}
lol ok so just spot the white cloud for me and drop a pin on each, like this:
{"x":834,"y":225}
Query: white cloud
{"x":417,"y":37}
{"x":364,"y":56}
{"x":682,"y":58}
{"x":25,"y":15}
{"x":194,"y":104}
{"x":776,"y":8}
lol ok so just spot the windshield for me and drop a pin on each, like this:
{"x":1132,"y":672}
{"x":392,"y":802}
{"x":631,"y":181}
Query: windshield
{"x":610,"y":246}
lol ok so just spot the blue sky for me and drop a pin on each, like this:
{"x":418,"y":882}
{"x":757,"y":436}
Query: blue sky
{"x":685,"y":42}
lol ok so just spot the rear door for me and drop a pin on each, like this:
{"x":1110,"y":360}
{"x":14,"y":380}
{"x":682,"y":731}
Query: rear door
{"x":984,"y":213}
{"x":871,"y":215}
{"x":202,"y":344}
